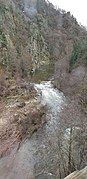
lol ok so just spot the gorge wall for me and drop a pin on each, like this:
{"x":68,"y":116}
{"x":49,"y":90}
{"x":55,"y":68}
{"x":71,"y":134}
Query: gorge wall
{"x":39,"y":42}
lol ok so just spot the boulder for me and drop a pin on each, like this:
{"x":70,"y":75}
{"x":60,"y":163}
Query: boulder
{"x":82,"y":174}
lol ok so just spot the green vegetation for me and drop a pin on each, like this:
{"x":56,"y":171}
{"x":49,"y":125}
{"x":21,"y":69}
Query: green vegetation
{"x":79,"y":53}
{"x":3,"y":41}
{"x":38,"y":48}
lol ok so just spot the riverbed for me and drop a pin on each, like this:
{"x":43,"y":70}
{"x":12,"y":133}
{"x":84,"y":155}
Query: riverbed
{"x":37,"y":156}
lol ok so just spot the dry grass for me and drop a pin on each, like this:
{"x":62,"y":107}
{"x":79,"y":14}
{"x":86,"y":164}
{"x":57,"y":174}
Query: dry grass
{"x":17,"y":122}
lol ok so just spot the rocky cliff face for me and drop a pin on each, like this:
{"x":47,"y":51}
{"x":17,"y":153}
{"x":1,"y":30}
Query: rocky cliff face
{"x":82,"y":174}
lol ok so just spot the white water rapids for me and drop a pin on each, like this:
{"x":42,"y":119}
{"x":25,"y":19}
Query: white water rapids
{"x":53,"y":99}
{"x":37,"y":157}
{"x":50,"y":96}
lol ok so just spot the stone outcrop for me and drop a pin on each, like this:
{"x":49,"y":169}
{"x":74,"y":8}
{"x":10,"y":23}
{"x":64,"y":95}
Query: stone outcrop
{"x":82,"y":174}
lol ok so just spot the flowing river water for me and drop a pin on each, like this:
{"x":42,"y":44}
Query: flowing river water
{"x":37,"y":156}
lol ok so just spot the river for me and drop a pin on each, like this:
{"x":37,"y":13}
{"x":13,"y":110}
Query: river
{"x":37,"y":156}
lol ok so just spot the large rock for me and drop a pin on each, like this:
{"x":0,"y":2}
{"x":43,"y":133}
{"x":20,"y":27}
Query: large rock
{"x":30,"y":7}
{"x":82,"y":174}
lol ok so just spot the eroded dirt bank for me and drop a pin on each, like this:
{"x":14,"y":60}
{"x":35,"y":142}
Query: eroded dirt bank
{"x":19,"y":118}
{"x":37,"y":156}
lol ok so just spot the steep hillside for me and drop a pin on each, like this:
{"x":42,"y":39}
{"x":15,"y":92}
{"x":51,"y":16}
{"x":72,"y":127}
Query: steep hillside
{"x":23,"y":46}
{"x":37,"y":43}
{"x":34,"y":35}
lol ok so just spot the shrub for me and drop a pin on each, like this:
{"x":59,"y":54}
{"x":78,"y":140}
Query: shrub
{"x":79,"y":53}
